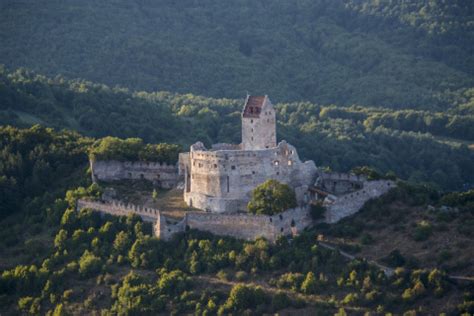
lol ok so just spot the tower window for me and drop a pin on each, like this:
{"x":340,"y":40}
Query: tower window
{"x":251,"y":121}
{"x":233,"y":167}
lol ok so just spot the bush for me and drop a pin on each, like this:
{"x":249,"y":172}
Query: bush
{"x":243,"y":296}
{"x":422,"y":231}
{"x":395,"y":259}
{"x":309,"y":284}
{"x":241,"y":276}
{"x":89,"y":264}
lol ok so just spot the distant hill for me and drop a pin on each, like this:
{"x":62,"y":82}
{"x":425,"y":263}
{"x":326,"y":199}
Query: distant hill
{"x":397,"y":54}
{"x":420,"y":146}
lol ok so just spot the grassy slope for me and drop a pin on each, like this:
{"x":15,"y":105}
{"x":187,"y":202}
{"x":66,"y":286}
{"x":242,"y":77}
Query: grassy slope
{"x":386,"y":225}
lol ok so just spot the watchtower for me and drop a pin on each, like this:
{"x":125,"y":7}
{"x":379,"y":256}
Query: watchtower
{"x":258,"y":123}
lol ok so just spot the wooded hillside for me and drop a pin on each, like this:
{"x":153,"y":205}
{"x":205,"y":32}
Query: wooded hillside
{"x":415,"y":54}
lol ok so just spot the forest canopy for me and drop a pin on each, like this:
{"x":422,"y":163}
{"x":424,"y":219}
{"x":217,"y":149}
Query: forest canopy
{"x":397,"y":54}
{"x":133,"y":149}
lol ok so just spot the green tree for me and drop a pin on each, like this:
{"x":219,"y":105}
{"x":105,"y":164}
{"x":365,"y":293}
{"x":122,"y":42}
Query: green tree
{"x":243,"y":296}
{"x":271,"y":197}
{"x":89,"y":264}
{"x":309,"y":284}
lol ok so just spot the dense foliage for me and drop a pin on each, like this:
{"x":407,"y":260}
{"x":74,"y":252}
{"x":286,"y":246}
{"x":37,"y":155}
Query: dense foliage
{"x":30,"y":159}
{"x":391,"y":53}
{"x":271,"y":197}
{"x":415,"y":145}
{"x":113,"y":265}
{"x":133,"y":149}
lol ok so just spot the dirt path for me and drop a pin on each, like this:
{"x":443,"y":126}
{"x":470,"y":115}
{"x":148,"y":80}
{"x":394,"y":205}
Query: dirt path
{"x":387,"y":270}
{"x":311,"y":300}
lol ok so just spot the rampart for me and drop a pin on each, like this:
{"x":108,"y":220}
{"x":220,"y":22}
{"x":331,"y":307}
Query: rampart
{"x":242,"y":226}
{"x":119,"y":209}
{"x":162,"y":174}
{"x":340,"y":183}
{"x":350,"y":203}
{"x":221,"y":181}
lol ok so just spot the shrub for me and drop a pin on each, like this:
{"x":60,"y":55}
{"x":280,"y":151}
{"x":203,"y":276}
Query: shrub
{"x":89,"y":264}
{"x":422,"y":231}
{"x":395,"y":259}
{"x":243,"y":296}
{"x":309,"y":284}
{"x":222,"y":275}
{"x":241,"y":276}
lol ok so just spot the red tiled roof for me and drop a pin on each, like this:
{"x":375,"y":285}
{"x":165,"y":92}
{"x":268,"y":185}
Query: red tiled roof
{"x":254,"y":105}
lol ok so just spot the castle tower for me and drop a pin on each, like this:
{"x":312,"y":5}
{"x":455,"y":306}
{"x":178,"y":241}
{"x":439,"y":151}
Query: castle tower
{"x":258,"y":123}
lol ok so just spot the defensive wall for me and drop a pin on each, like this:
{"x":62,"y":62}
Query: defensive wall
{"x":350,"y":203}
{"x":242,"y":226}
{"x":162,"y":174}
{"x":119,"y":209}
{"x":221,"y":181}
{"x":340,"y":183}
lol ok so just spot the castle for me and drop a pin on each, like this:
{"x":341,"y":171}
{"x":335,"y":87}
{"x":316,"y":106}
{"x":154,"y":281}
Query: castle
{"x":220,"y":180}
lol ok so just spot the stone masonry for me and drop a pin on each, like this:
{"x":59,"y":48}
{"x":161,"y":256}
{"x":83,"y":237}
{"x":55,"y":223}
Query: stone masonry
{"x":163,"y":175}
{"x":242,"y":226}
{"x":221,"y":179}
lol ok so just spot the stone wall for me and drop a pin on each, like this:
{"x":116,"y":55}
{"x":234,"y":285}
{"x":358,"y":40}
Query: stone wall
{"x":162,"y":174}
{"x":350,"y":203}
{"x":222,"y":180}
{"x":340,"y":183}
{"x":241,"y":226}
{"x":118,"y":208}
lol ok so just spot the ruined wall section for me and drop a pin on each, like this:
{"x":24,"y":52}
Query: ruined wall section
{"x":222,"y":180}
{"x":242,"y":226}
{"x":118,"y":208}
{"x":340,"y":183}
{"x":164,"y":175}
{"x":250,"y":227}
{"x":350,"y":203}
{"x":259,"y":132}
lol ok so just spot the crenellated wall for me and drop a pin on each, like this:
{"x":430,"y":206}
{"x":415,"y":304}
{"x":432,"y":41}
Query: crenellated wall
{"x":162,"y":174}
{"x":119,"y":209}
{"x":242,"y":226}
{"x":222,"y":180}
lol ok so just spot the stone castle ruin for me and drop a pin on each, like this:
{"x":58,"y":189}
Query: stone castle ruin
{"x":161,"y":174}
{"x":219,"y":181}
